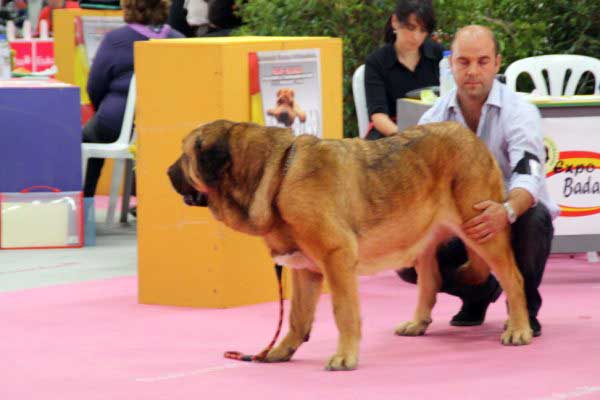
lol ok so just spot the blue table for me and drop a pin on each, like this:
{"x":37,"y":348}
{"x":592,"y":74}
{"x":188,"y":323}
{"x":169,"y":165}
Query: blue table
{"x":40,"y":135}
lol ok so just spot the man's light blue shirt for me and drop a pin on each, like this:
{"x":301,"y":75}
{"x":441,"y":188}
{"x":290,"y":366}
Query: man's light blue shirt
{"x":510,"y":127}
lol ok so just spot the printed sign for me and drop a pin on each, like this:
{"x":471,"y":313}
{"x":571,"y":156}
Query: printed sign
{"x":573,"y":173}
{"x":289,"y":86}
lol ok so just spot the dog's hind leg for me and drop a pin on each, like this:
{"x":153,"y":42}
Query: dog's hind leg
{"x":428,"y":284}
{"x":499,"y":256}
{"x":306,"y":289}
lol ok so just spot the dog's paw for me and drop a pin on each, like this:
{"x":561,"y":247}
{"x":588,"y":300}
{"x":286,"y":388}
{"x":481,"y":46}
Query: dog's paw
{"x":412,"y":328}
{"x":342,"y":362}
{"x":516,"y":337}
{"x":280,"y":354}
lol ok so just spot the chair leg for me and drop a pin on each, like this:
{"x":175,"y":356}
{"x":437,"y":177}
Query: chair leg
{"x":126,"y":190}
{"x":115,"y":185}
{"x":84,"y":162}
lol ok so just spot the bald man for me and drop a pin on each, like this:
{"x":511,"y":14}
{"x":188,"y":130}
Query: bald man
{"x":510,"y":127}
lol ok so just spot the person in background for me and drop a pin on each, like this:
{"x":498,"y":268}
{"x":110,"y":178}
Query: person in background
{"x":197,"y":16}
{"x":13,"y":10}
{"x":222,"y":17}
{"x":111,"y":72}
{"x":510,"y":127}
{"x":177,"y":18}
{"x":409,"y":60}
{"x":46,"y":13}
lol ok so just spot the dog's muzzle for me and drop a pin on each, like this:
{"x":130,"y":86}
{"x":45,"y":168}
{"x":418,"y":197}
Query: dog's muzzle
{"x":190,"y":195}
{"x":196,"y":199}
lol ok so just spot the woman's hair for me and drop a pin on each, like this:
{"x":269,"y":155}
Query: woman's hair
{"x":423,"y":10}
{"x":146,"y":12}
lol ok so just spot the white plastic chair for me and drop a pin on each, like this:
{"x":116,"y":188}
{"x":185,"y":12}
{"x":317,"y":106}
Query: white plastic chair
{"x":360,"y":100}
{"x":118,"y":151}
{"x":556,"y":66}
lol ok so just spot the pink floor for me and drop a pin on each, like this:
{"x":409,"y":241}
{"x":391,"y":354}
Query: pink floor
{"x":101,"y":202}
{"x":93,"y":341}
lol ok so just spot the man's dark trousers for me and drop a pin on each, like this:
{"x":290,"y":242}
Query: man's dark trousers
{"x":531,"y":237}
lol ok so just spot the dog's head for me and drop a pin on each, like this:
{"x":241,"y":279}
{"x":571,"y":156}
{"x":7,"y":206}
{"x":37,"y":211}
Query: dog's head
{"x":221,"y":157}
{"x":285,"y":96}
{"x":205,"y":158}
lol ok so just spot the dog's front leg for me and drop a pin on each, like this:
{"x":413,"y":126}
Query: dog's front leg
{"x":306,"y":289}
{"x":340,"y":270}
{"x":428,"y":284}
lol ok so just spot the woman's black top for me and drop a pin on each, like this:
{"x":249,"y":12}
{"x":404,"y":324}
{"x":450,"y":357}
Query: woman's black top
{"x":386,"y":79}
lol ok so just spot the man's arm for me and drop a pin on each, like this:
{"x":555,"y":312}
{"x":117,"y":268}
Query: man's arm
{"x":520,"y":200}
{"x":526,"y":152}
{"x":494,"y":217}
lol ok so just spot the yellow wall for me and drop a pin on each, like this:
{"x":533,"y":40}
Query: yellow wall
{"x":64,"y":58}
{"x":185,"y":257}
{"x":64,"y":38}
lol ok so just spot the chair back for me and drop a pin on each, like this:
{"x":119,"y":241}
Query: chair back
{"x":556,"y":67}
{"x":360,"y":100}
{"x":125,"y":137}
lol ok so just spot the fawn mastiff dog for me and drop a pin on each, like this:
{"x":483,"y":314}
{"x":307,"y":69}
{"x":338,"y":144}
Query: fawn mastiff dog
{"x":338,"y":208}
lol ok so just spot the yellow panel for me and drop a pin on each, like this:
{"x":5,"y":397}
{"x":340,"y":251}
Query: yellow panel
{"x":64,"y":38}
{"x":185,"y":256}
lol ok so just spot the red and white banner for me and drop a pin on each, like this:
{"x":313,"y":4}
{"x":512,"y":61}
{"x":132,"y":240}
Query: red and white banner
{"x":573,"y":172}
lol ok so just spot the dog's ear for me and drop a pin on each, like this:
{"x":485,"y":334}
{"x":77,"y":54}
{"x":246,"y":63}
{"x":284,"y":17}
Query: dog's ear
{"x":279,"y":92}
{"x":213,"y":161}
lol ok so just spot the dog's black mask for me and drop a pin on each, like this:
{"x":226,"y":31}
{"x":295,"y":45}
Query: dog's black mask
{"x":191,"y":196}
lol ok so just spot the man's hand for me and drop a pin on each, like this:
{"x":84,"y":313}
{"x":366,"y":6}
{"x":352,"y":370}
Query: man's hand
{"x":491,"y":221}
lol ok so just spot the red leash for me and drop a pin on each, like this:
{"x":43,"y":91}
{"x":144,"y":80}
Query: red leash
{"x":236,"y":355}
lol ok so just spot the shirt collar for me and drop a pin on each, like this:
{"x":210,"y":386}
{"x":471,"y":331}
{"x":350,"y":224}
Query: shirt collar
{"x":426,"y":49}
{"x":493,"y":98}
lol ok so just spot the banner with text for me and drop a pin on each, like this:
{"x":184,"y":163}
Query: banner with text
{"x":573,"y":173}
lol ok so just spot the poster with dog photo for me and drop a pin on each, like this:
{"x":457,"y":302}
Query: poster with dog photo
{"x":288,"y":86}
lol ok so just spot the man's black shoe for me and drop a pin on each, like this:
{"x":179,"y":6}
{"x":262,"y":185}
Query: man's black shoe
{"x":536,"y":327}
{"x":473,"y":313}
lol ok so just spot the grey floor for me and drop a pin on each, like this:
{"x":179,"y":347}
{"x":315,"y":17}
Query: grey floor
{"x":114,"y":255}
